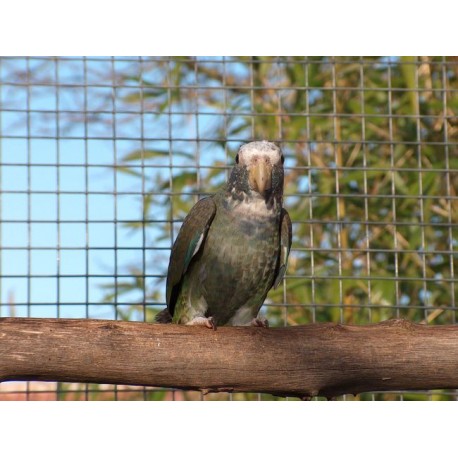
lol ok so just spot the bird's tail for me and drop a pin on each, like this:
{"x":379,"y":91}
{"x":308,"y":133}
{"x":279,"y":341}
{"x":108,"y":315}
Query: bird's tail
{"x":163,"y":317}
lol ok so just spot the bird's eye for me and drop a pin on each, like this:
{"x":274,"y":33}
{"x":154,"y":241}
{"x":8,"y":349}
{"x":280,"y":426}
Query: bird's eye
{"x":237,"y":159}
{"x":282,"y":159}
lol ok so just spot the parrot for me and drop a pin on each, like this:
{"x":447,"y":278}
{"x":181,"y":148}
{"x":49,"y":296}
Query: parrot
{"x":232,"y":247}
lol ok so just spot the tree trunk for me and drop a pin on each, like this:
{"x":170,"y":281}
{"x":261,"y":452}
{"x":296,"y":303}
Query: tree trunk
{"x":304,"y":361}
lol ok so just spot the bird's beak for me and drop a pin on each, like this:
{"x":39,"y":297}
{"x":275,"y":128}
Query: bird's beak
{"x":260,"y":176}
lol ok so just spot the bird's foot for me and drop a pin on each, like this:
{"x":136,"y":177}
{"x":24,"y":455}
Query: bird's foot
{"x":259,"y":322}
{"x":203,"y":321}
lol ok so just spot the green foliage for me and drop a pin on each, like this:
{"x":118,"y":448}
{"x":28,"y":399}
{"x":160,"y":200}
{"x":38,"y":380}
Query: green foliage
{"x":366,"y":178}
{"x":370,"y":161}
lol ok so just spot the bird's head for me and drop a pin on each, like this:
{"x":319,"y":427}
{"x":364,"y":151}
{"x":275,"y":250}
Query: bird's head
{"x":258,"y":171}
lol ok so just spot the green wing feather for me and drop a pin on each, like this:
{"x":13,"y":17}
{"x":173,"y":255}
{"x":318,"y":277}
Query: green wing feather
{"x":285,"y":246}
{"x":188,"y":243}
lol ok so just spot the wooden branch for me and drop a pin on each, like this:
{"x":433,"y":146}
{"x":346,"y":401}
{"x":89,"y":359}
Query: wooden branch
{"x":317,"y":359}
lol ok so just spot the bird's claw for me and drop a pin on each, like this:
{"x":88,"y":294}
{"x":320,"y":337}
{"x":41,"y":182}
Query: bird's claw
{"x":259,"y":323}
{"x":211,"y":323}
{"x":202,"y":321}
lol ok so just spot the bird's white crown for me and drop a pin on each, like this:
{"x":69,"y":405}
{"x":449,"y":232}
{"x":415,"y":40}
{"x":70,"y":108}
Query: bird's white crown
{"x":261,"y":148}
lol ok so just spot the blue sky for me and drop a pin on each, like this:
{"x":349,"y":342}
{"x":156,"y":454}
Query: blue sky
{"x":43,"y":235}
{"x":51,"y":186}
{"x":63,"y":206}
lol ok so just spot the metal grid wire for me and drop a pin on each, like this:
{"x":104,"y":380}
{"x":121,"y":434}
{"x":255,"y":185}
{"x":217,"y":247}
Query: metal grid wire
{"x":101,"y":159}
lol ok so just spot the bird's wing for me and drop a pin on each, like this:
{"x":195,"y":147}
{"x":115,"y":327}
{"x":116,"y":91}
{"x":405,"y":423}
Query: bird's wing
{"x":187,"y":244}
{"x":285,"y":246}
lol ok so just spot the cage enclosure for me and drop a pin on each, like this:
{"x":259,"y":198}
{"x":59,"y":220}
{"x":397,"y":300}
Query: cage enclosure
{"x":102,"y":158}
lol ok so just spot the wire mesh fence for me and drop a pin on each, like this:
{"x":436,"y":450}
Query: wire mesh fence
{"x":101,"y":159}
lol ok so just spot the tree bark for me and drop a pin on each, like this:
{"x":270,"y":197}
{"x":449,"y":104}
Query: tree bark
{"x":317,"y":359}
